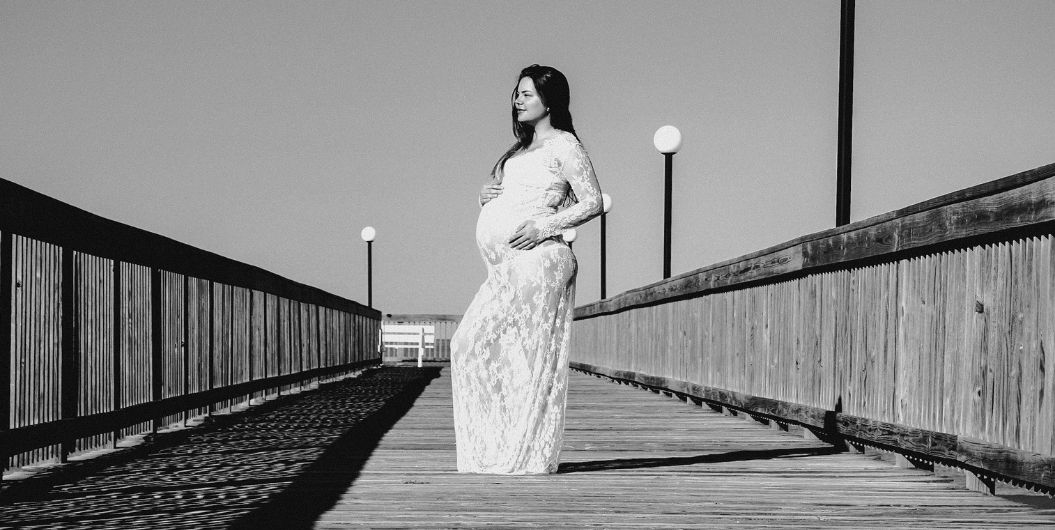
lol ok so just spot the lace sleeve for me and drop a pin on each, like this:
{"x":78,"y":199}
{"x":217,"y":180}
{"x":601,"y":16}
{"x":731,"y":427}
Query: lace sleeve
{"x":576,"y":169}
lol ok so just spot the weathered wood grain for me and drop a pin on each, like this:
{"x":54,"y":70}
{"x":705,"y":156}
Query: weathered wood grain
{"x":1006,"y":463}
{"x":1022,"y":200}
{"x":36,"y":344}
{"x":630,"y":459}
{"x":936,"y":319}
{"x":106,"y":322}
{"x":7,"y":264}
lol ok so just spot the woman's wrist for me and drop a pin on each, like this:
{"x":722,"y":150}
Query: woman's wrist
{"x":547,"y":227}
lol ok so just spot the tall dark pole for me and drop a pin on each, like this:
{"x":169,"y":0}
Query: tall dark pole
{"x":669,"y":158}
{"x":846,"y":104}
{"x":604,"y":251}
{"x":370,"y":274}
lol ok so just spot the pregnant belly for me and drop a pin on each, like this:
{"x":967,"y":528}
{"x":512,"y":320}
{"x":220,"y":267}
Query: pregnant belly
{"x":496,"y":224}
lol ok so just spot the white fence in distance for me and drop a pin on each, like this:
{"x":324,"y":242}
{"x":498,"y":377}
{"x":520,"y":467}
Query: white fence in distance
{"x":418,"y":337}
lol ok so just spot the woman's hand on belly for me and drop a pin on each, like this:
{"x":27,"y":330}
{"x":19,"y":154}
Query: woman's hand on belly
{"x":527,"y":236}
{"x":488,"y":192}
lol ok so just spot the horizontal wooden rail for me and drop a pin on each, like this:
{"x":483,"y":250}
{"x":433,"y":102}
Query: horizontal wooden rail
{"x":1020,"y":201}
{"x":34,"y":215}
{"x":927,"y":331}
{"x":107,"y":330}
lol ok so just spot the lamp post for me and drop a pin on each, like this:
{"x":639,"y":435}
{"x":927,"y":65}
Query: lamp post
{"x":846,"y":106}
{"x":606,"y":204}
{"x":667,"y":141}
{"x":570,"y":235}
{"x":368,"y":234}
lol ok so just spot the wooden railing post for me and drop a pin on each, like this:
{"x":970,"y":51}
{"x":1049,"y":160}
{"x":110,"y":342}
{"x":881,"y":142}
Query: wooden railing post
{"x":185,"y":341}
{"x":251,"y":352}
{"x":229,"y":361}
{"x":318,"y":362}
{"x":7,"y":262}
{"x":300,"y":335}
{"x":70,"y":374}
{"x":156,"y":342}
{"x":212,"y":340}
{"x":318,"y":334}
{"x":118,"y":341}
{"x":281,"y":345}
{"x":263,"y":351}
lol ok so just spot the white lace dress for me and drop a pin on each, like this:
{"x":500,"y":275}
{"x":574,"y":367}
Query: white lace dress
{"x":509,"y":355}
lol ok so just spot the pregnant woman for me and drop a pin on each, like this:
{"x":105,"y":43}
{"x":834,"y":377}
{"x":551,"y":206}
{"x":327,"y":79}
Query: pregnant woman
{"x":509,"y":356}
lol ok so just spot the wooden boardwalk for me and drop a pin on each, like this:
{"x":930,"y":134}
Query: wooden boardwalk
{"x":378,"y":451}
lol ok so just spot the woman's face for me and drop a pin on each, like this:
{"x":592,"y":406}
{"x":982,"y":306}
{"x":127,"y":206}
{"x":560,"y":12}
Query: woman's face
{"x":530,"y":108}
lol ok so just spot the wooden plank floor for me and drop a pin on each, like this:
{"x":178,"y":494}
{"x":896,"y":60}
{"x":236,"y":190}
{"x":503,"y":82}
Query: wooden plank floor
{"x":378,"y":451}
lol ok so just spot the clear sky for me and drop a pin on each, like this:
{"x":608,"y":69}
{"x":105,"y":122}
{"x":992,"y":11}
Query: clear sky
{"x":272,"y":132}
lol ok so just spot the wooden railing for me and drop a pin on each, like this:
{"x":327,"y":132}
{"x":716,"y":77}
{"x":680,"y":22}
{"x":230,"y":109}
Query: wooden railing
{"x":929,"y":331}
{"x":107,"y":330}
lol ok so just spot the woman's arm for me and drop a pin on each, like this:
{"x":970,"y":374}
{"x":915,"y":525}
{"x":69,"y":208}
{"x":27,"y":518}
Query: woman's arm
{"x":577,"y":169}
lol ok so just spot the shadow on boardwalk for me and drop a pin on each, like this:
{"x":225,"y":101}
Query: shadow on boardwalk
{"x":278,"y":465}
{"x":743,"y":456}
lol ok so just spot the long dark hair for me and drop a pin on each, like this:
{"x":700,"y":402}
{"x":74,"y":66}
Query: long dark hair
{"x":552,"y":88}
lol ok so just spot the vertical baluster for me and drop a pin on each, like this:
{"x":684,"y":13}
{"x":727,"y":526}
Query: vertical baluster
{"x":251,"y":352}
{"x":6,"y":301}
{"x":212,"y":342}
{"x":280,"y":345}
{"x":186,"y":343}
{"x":118,"y":340}
{"x":318,"y":335}
{"x":319,"y":344}
{"x":70,"y":356}
{"x":263,"y":350}
{"x":254,"y":340}
{"x":156,"y":343}
{"x":297,"y":350}
{"x":229,"y":305}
